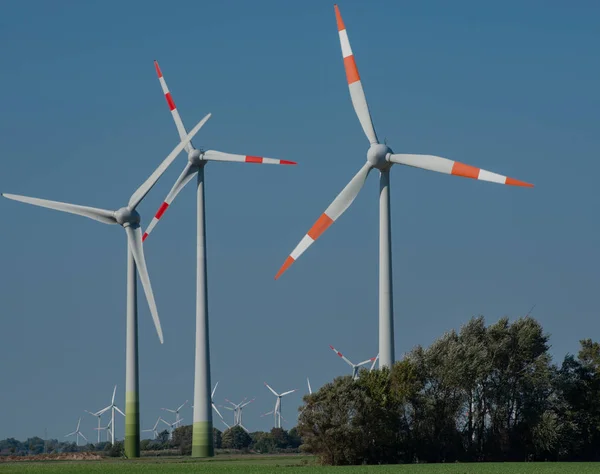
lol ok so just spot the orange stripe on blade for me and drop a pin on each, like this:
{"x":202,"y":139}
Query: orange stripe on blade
{"x":338,"y":18}
{"x":351,"y":69}
{"x":516,"y":182}
{"x":466,"y":171}
{"x":320,"y":226}
{"x":288,"y":262}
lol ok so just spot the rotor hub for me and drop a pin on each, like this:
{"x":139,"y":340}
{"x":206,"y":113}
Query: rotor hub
{"x":378,"y":156}
{"x":126,"y":217}
{"x":195,"y":157}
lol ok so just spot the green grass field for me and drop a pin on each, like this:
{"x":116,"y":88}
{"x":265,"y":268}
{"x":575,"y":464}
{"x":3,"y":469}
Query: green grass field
{"x":285,"y":464}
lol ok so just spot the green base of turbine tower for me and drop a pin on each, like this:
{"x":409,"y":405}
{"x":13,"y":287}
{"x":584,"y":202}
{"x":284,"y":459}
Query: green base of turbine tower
{"x":132,"y":425}
{"x":202,"y":440}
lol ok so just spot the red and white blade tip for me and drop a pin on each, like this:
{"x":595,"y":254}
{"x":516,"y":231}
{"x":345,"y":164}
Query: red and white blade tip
{"x":260,"y":159}
{"x":335,"y":350}
{"x":468,"y":171}
{"x":158,"y":71}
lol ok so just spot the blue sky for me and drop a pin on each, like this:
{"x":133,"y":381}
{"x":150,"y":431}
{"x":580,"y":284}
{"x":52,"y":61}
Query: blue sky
{"x":508,"y":87}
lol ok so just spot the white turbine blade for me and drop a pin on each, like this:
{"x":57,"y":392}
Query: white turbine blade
{"x":309,"y":389}
{"x":213,"y":390}
{"x":213,"y":155}
{"x":375,"y":359}
{"x":277,"y":405}
{"x":341,"y":355}
{"x":113,"y":396}
{"x":168,"y":409}
{"x":247,"y":403}
{"x":141,"y":192}
{"x":171,"y":103}
{"x":182,"y":405}
{"x":269,"y":413}
{"x":188,"y":173}
{"x":104,"y":410}
{"x":225,"y":423}
{"x":288,"y":392}
{"x":166,"y":423}
{"x":157,"y":422}
{"x":83,"y":436}
{"x":117,"y":408}
{"x":71,"y":434}
{"x":78,"y":423}
{"x":134,"y":237}
{"x":364,"y":362}
{"x":217,"y":410}
{"x":274,"y":392}
{"x":446,"y":166}
{"x":100,"y":215}
{"x":331,"y":214}
{"x":243,"y":427}
{"x":93,"y":414}
{"x":227,"y":400}
{"x":357,"y":94}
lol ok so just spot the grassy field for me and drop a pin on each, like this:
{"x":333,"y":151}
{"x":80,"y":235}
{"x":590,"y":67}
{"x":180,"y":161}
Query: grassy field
{"x":285,"y":464}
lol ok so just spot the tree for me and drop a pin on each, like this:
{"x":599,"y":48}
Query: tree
{"x":235,"y":438}
{"x":182,"y":439}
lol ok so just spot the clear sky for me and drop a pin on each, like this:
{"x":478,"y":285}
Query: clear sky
{"x":511,"y":87}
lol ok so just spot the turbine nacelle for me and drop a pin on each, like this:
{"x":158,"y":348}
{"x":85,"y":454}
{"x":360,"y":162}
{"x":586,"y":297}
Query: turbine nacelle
{"x":378,"y":156}
{"x":127,"y":217}
{"x":196,"y":157}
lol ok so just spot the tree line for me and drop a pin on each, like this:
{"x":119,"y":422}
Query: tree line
{"x":485,"y":393}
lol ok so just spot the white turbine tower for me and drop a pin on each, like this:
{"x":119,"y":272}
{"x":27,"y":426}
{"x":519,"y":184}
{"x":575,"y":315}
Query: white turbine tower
{"x":382,"y":158}
{"x":129,"y":219}
{"x":355,"y":367}
{"x":112,"y":407}
{"x":154,"y":429}
{"x":202,"y":437}
{"x":176,"y":411}
{"x":77,"y":433}
{"x":277,"y":410}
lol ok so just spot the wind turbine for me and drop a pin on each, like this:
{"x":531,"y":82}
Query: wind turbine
{"x":129,"y":219}
{"x":202,"y":435}
{"x":237,"y":412}
{"x":355,"y":367}
{"x":77,"y":433}
{"x":176,"y":411}
{"x":112,"y":407}
{"x":172,"y":426}
{"x":309,"y":388}
{"x":154,"y":429}
{"x":277,"y":410}
{"x":105,"y":428}
{"x":97,"y":416}
{"x":212,"y":396}
{"x":382,"y":158}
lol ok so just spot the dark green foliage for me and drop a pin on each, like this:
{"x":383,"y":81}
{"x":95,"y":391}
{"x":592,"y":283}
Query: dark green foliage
{"x":235,"y":438}
{"x":483,"y":394}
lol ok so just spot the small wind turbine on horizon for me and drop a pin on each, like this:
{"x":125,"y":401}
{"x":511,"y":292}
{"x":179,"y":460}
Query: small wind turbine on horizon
{"x":176,"y":411}
{"x":112,"y":407}
{"x":77,"y":433}
{"x":202,"y":437}
{"x":99,"y":422}
{"x":382,"y":158}
{"x":277,"y":410}
{"x":154,"y":429}
{"x":355,"y":367}
{"x":172,"y":426}
{"x":129,"y":219}
{"x":237,"y":412}
{"x":104,"y":428}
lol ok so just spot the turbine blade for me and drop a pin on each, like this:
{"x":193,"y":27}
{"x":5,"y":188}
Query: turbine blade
{"x":70,"y":434}
{"x":274,"y":392}
{"x":134,"y":236}
{"x":113,"y":396}
{"x":247,"y":403}
{"x":78,"y":423}
{"x":141,"y":192}
{"x":168,"y":424}
{"x":357,"y":94}
{"x":178,"y":122}
{"x":364,"y":362}
{"x":269,"y":413}
{"x":117,"y":408}
{"x":104,"y":410}
{"x":188,"y":173}
{"x":225,"y":423}
{"x":213,"y":155}
{"x":217,"y":410}
{"x":213,"y":390}
{"x":100,"y":215}
{"x":331,"y":214}
{"x":342,"y":356}
{"x":374,"y":359}
{"x":181,"y":406}
{"x":444,"y":165}
{"x":309,"y":389}
{"x":288,"y":392}
{"x":243,"y":427}
{"x":168,"y":409}
{"x":83,"y":436}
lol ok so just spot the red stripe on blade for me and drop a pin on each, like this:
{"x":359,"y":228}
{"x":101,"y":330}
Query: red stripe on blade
{"x":320,"y":226}
{"x":466,"y":171}
{"x":170,"y":101}
{"x":286,"y":162}
{"x":145,"y":236}
{"x":254,"y":159}
{"x":158,"y":71}
{"x":161,"y":210}
{"x":516,"y":182}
